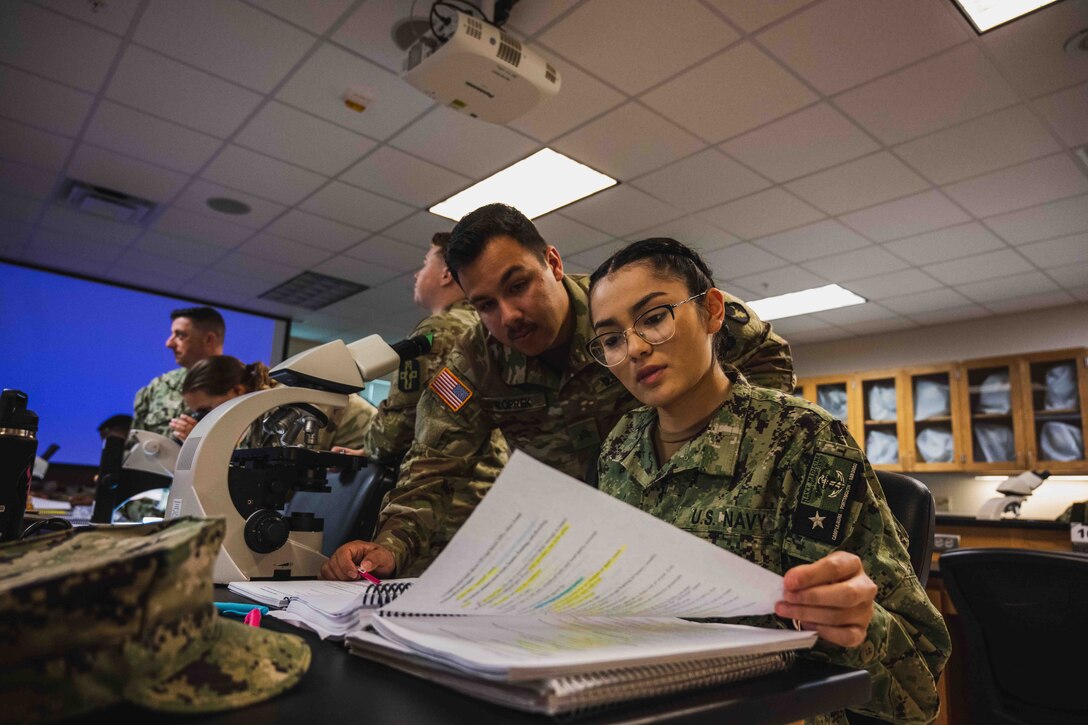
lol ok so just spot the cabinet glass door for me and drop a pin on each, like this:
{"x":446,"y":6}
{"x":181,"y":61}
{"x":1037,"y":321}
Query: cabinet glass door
{"x":1056,"y":416}
{"x":993,"y":435}
{"x":932,"y":430}
{"x":880,"y":421}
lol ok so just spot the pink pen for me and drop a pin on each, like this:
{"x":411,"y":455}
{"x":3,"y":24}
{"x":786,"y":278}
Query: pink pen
{"x":369,"y":577}
{"x":253,"y":619}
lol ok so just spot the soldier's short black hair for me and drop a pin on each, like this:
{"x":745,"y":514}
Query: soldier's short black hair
{"x":666,"y":257}
{"x":205,"y":318}
{"x":441,"y":240}
{"x":477,"y":228}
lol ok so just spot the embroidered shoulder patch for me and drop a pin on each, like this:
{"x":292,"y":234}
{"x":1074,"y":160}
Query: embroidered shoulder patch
{"x":450,"y":389}
{"x":736,"y":312}
{"x":825,"y":497}
{"x":408,"y":376}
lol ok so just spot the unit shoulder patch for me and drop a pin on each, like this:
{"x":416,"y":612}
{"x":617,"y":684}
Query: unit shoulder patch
{"x":735,"y":311}
{"x":449,"y":388}
{"x":830,"y":484}
{"x":408,"y":377}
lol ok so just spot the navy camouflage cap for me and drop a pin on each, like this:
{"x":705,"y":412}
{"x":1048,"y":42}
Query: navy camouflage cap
{"x":96,"y":615}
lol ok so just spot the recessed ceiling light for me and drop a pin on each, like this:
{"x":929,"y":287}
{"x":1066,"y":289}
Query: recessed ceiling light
{"x":224,"y":205}
{"x":805,"y":302}
{"x":534,"y":186}
{"x":988,"y":14}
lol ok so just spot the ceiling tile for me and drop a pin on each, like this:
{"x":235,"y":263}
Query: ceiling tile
{"x":948,"y":89}
{"x":580,"y":98}
{"x":191,"y":225}
{"x":751,"y":16}
{"x":1065,"y":111}
{"x":1073,"y":277}
{"x":89,"y":226}
{"x":1058,"y":252}
{"x":1001,"y":263}
{"x":1001,"y":139}
{"x":368,"y":31}
{"x":229,"y":39}
{"x":388,"y":254}
{"x":567,"y":235}
{"x":855,"y":264}
{"x":627,"y":142}
{"x":463,"y":144}
{"x":32,"y":146}
{"x":317,"y":16}
{"x":318,"y":87}
{"x":856,"y":184}
{"x":865,"y":312}
{"x":874,"y":327}
{"x":1000,"y":288}
{"x":120,"y":173}
{"x":959,"y":241}
{"x":261,"y":175}
{"x":215,"y":283}
{"x":939,"y":299}
{"x":160,"y":142}
{"x":621,"y":210}
{"x":1031,"y":302}
{"x":283,"y":250}
{"x":60,"y":257}
{"x":840,"y":43}
{"x":355,"y":270}
{"x":396,"y":174}
{"x":316,"y":231}
{"x":259,"y":268}
{"x":176,"y":248}
{"x":303,"y":140}
{"x":731,"y":93}
{"x":139,"y":265}
{"x":705,"y":179}
{"x":763,"y":213}
{"x":19,"y":208}
{"x":799,"y":324}
{"x":694,"y":232}
{"x":418,"y":229}
{"x":1042,"y":222}
{"x":813,"y":240}
{"x":23,"y":180}
{"x":356,"y":207}
{"x":823,"y":334}
{"x":900,"y":218}
{"x":12,"y":237}
{"x":116,"y":19}
{"x":776,"y":281}
{"x":529,"y":18}
{"x":892,"y":284}
{"x":1029,"y":52}
{"x":168,"y":89}
{"x":63,"y":244}
{"x":956,"y":314}
{"x":196,"y":196}
{"x":1035,"y":182}
{"x":806,"y":141}
{"x":43,"y":103}
{"x":741,"y":260}
{"x":590,"y":259}
{"x":680,"y":32}
{"x":30,"y":38}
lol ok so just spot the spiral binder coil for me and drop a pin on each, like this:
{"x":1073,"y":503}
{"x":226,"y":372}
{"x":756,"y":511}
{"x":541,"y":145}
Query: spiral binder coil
{"x":378,"y":595}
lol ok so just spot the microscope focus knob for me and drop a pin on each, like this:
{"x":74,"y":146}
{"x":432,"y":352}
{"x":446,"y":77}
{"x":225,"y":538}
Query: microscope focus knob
{"x":266,"y":531}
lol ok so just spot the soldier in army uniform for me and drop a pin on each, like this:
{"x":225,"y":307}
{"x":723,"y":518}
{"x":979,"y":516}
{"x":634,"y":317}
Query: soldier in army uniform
{"x":524,"y":371}
{"x":768,"y":476}
{"x":195,"y":333}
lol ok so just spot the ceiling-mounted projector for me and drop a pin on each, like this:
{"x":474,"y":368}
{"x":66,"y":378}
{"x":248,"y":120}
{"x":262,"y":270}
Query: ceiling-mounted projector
{"x":481,"y":71}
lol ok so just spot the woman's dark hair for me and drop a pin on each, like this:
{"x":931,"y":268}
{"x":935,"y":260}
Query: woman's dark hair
{"x":216,"y":375}
{"x":667,"y":257}
{"x":477,"y":228}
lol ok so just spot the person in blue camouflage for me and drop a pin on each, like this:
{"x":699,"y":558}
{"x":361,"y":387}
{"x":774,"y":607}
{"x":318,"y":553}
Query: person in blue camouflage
{"x":764,"y":474}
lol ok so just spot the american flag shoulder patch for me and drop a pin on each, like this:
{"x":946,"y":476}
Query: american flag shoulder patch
{"x":452,"y":391}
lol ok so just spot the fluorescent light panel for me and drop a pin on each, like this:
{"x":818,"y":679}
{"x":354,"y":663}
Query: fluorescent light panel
{"x":988,"y":14}
{"x":805,"y":302}
{"x":534,"y":186}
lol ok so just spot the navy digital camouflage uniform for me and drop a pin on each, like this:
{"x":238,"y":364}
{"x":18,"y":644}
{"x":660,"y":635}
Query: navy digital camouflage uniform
{"x":777,"y":480}
{"x":159,"y":402}
{"x":393,"y":428}
{"x":559,"y":418}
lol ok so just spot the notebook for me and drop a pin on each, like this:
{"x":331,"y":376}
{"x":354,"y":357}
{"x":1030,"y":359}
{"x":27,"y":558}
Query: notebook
{"x":553,"y":587}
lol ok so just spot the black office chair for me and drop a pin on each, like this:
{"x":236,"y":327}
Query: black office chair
{"x":1023,"y":616}
{"x":912,"y":505}
{"x":351,"y":509}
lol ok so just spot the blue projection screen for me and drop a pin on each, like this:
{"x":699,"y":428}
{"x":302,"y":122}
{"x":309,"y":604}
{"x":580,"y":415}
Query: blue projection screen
{"x":80,"y":350}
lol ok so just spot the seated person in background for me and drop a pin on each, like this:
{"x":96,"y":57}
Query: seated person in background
{"x":763,"y":474}
{"x":219,"y":378}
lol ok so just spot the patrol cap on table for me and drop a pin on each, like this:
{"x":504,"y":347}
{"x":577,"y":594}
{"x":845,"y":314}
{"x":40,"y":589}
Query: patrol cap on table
{"x":92,"y":616}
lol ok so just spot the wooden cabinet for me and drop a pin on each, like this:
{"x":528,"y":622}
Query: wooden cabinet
{"x":834,"y":393}
{"x":1055,"y":409}
{"x":880,"y":416}
{"x":933,"y":431}
{"x":991,"y":406}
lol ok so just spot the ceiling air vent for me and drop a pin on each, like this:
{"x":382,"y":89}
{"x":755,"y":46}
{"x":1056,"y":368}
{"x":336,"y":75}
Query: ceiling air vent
{"x":107,"y":203}
{"x":312,"y":291}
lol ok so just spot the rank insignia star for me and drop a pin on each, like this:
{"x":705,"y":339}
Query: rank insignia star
{"x":817,"y":520}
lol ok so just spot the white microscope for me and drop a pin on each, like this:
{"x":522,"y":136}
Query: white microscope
{"x":1016,"y":490}
{"x":249,"y":487}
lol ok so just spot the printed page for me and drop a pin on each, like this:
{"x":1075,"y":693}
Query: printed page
{"x":533,"y":647}
{"x":331,"y":598}
{"x":543,"y":542}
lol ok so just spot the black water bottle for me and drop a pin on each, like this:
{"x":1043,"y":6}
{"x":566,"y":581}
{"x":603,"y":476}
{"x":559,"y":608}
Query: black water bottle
{"x":18,"y":446}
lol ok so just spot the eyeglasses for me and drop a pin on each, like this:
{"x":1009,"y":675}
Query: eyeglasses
{"x":656,"y":325}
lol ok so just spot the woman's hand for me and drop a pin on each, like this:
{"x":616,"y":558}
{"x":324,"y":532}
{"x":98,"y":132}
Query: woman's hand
{"x":345,"y":562}
{"x":832,"y":596}
{"x":182,"y":426}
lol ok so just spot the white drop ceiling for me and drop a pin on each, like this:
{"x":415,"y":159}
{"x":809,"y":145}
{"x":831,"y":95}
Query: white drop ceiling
{"x":880,"y":145}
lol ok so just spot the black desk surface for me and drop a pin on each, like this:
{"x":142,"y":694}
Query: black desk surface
{"x":342,"y":688}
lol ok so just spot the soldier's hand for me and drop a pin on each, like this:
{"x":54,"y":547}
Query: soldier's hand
{"x":832,"y":596}
{"x":345,"y":562}
{"x":346,"y":451}
{"x":182,"y":426}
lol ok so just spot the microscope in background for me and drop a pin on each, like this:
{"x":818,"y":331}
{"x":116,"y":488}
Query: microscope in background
{"x":1016,"y":490}
{"x":251,"y":486}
